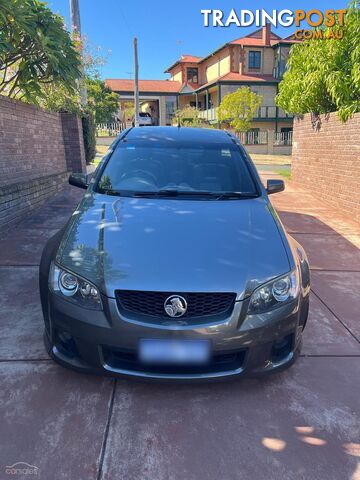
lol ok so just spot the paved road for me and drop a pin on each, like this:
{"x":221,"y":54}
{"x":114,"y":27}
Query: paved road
{"x":301,"y":424}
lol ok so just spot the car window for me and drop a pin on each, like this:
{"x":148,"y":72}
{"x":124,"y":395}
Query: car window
{"x":144,"y":114}
{"x":150,"y":167}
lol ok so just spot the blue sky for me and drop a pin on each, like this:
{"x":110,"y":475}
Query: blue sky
{"x":165,"y":29}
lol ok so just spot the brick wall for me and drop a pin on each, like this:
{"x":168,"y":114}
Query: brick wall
{"x":37,"y":151}
{"x":327,"y":160}
{"x":17,"y":199}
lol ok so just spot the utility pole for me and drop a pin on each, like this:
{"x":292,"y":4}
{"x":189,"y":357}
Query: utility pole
{"x":76,"y":30}
{"x":136,"y":84}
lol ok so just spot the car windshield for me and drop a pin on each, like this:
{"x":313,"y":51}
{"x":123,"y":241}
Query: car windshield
{"x":207,"y":170}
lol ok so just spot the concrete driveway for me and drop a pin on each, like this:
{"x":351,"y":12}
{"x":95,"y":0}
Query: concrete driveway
{"x":300,"y":424}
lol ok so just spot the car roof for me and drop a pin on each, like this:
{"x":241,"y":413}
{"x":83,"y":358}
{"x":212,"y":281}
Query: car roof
{"x":178,"y":134}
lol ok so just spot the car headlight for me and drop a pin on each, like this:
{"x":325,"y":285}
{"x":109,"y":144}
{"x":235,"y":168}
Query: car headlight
{"x":74,"y":288}
{"x":275,"y":293}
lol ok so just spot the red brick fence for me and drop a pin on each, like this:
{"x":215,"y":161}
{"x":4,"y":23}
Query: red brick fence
{"x":326,"y":159}
{"x":37,"y":151}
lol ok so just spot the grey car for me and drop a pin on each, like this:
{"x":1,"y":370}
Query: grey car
{"x":174,"y":264}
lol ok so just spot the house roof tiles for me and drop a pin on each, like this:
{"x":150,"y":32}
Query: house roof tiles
{"x":126,"y":85}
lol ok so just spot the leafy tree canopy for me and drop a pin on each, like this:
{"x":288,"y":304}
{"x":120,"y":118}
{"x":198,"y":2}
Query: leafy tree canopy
{"x":102,"y":100}
{"x":324,"y":75}
{"x":239,"y":108}
{"x":35,"y":50}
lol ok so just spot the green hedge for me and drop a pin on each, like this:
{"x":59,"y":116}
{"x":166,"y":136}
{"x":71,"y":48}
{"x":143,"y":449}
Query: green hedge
{"x":89,"y":131}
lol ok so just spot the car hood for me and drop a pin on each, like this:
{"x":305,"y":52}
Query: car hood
{"x":173,"y":245}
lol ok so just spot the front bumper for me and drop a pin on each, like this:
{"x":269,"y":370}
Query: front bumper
{"x":106,"y":342}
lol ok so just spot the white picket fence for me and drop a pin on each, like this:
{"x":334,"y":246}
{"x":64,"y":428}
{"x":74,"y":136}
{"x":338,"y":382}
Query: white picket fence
{"x":109,"y":129}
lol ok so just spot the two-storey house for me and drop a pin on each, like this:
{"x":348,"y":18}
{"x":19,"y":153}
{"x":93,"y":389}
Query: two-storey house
{"x":257,"y":60}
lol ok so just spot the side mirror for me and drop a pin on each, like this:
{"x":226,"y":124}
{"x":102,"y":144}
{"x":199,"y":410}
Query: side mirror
{"x":78,"y":180}
{"x":274,"y":186}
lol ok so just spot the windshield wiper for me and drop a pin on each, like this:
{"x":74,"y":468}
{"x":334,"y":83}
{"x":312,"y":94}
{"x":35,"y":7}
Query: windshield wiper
{"x":156,"y":193}
{"x":172,"y":193}
{"x":235,"y":195}
{"x":183,"y":193}
{"x":153,"y":193}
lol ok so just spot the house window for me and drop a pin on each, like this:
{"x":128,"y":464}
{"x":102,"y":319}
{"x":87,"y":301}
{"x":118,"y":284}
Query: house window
{"x":192,"y":75}
{"x":255,"y":60}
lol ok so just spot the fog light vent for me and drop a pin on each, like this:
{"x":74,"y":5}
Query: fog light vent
{"x":66,"y":344}
{"x":281,"y":348}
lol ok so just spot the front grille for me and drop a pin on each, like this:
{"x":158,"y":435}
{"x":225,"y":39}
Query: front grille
{"x":220,"y":362}
{"x":152,"y":303}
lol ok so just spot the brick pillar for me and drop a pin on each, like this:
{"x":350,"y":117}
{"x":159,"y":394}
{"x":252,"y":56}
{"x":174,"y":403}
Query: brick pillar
{"x":73,"y":142}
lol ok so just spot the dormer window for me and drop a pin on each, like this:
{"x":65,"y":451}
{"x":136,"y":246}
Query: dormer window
{"x":254,"y":60}
{"x":192,"y":75}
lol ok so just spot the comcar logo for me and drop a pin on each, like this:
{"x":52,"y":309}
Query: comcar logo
{"x":175,"y":306}
{"x":21,"y":468}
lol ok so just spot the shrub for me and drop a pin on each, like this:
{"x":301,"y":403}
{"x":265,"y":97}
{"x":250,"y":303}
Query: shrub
{"x":89,"y":132}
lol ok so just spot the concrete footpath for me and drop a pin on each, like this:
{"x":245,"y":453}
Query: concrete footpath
{"x":302,"y":424}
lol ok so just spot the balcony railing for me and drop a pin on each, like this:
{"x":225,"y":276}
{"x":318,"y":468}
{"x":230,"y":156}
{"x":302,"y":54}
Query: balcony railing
{"x":210,"y":114}
{"x":270,"y":112}
{"x":263,"y":112}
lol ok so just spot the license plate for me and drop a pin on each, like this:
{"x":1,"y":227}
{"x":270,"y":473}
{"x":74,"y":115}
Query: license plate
{"x":175,"y":352}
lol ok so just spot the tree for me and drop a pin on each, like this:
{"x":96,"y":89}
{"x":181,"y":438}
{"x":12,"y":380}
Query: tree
{"x":239,"y":108}
{"x":324,"y":75}
{"x":102,"y":100}
{"x":35,"y":50}
{"x":57,"y":98}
